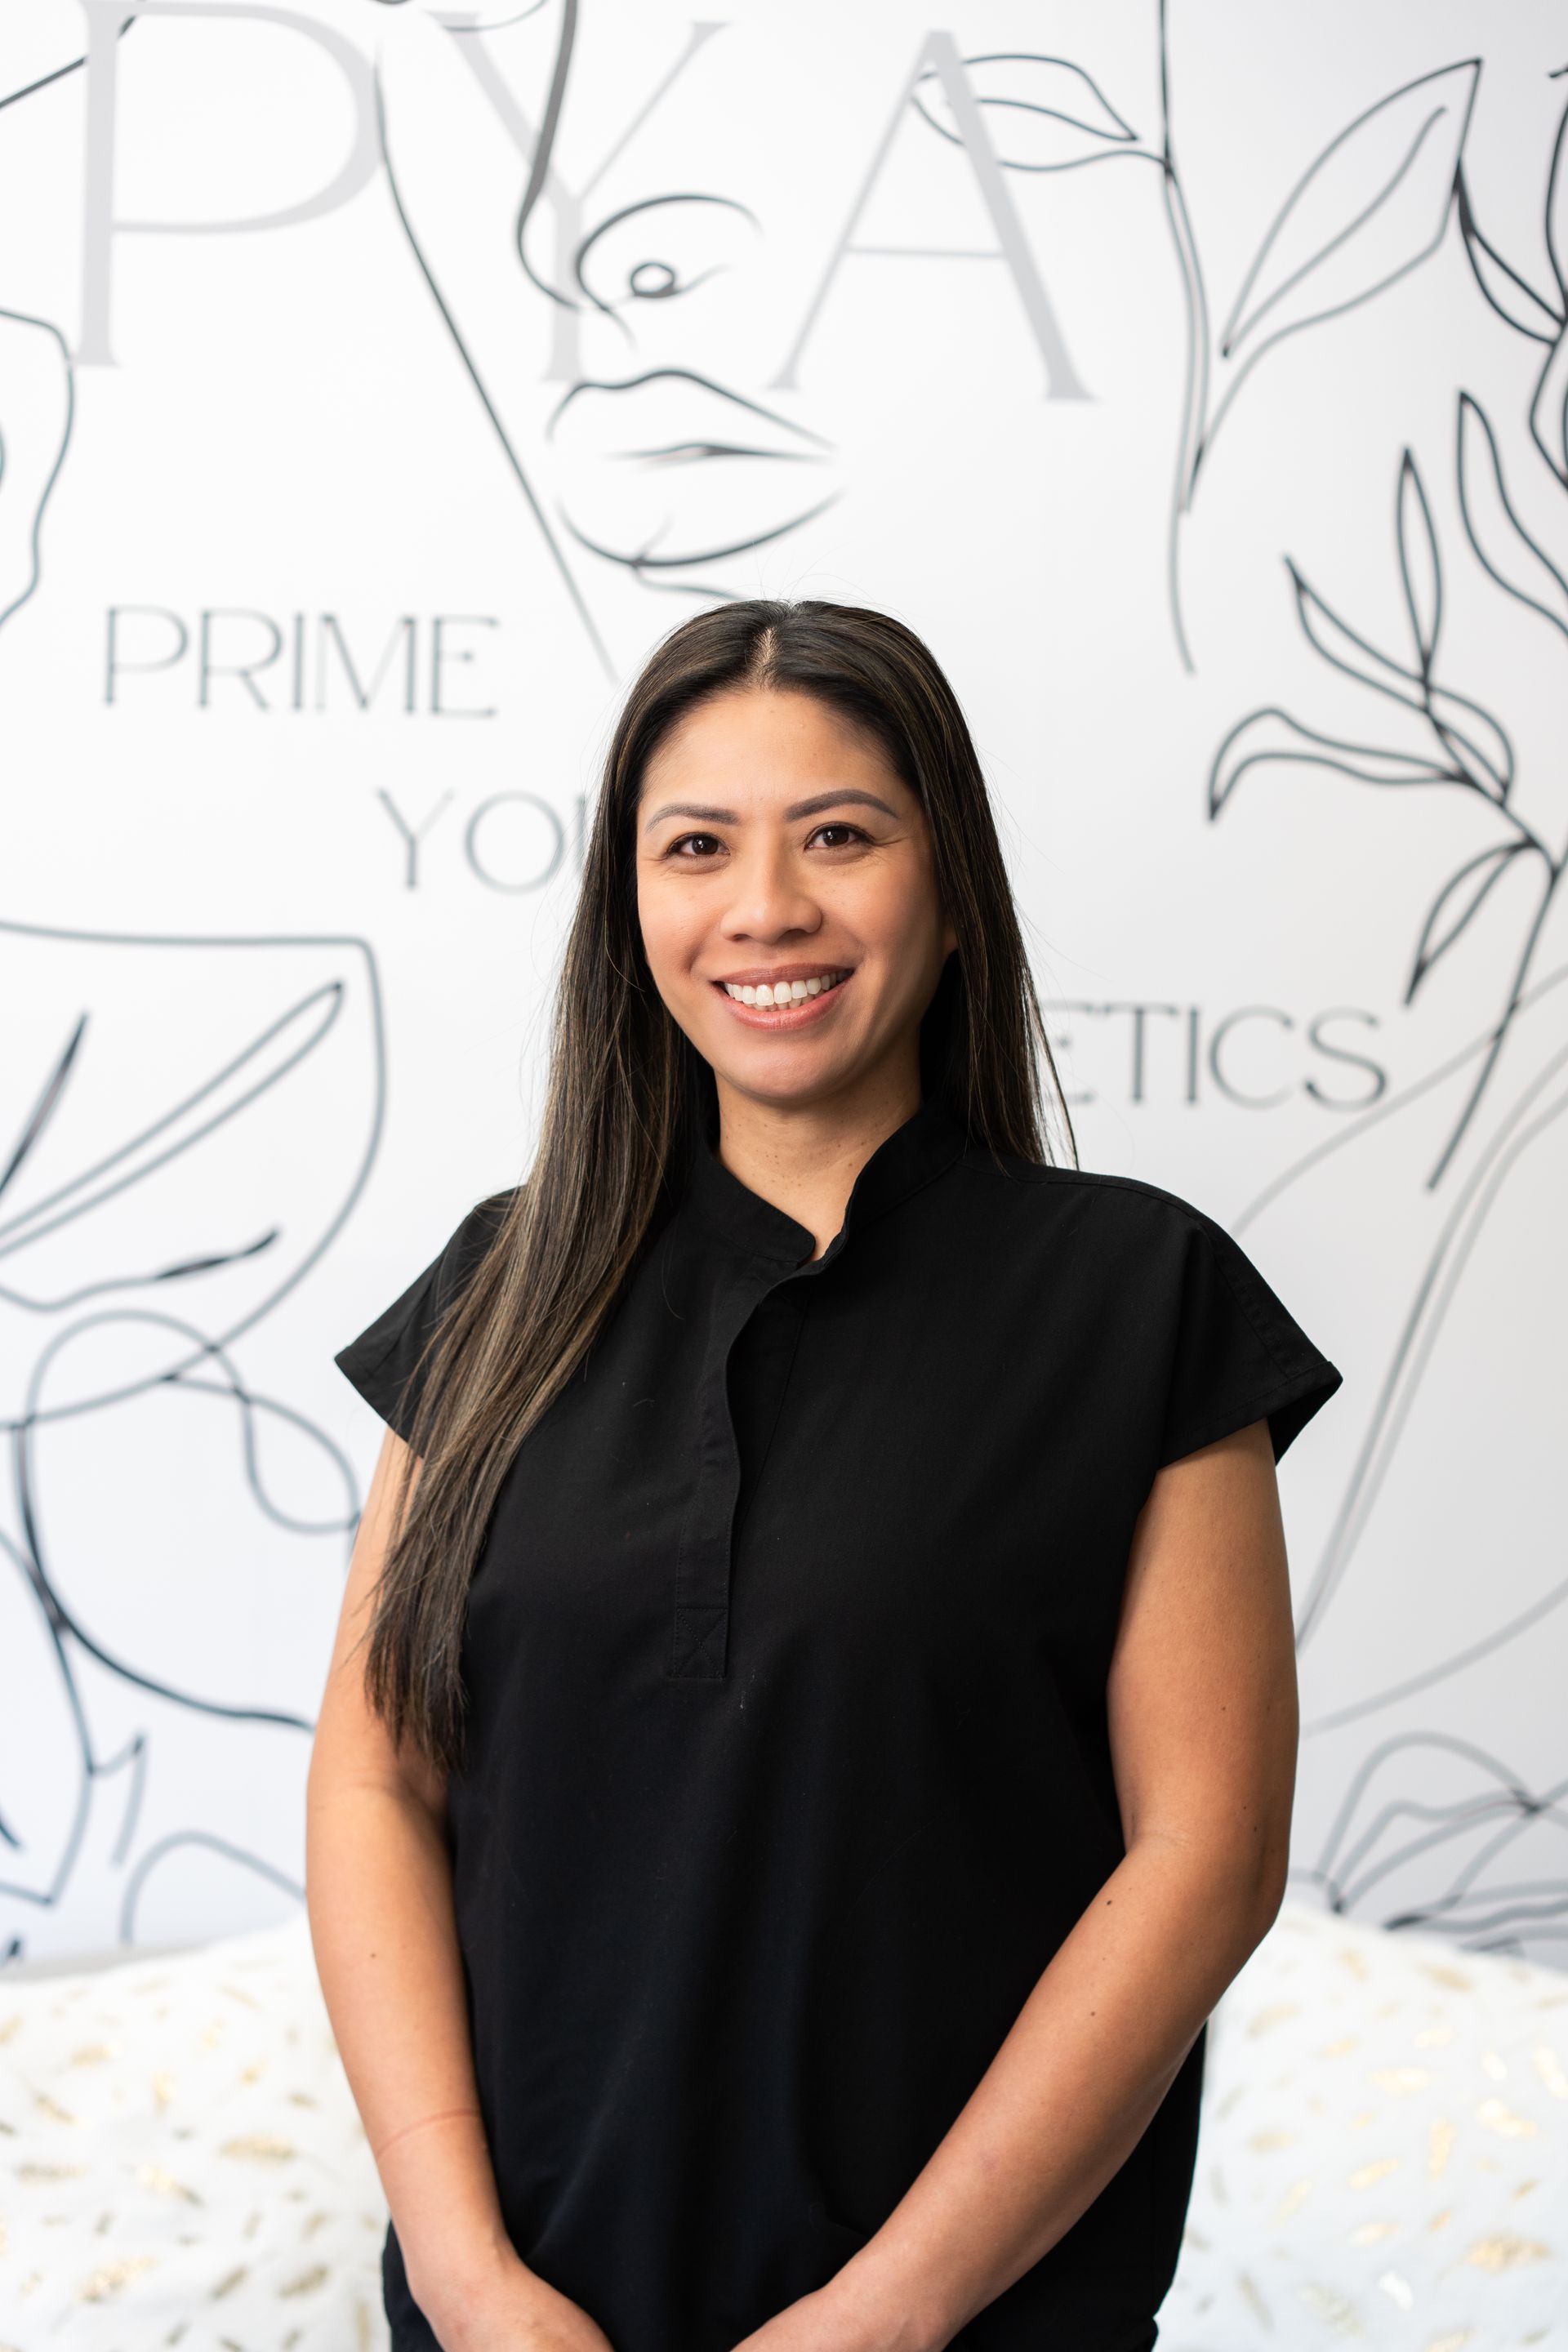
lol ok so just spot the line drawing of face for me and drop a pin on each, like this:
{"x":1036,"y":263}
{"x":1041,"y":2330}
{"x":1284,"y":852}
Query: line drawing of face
{"x":638,"y":437}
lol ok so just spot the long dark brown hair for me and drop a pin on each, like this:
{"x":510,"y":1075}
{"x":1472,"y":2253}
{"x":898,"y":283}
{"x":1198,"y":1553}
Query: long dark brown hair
{"x":628,"y":1097}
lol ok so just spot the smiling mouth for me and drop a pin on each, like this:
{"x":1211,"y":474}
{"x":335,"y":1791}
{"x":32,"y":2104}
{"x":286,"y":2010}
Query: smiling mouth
{"x":774,"y":1006}
{"x":782,"y":993}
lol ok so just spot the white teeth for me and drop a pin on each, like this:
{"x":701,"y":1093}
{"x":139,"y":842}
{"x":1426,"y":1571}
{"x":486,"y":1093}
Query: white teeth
{"x":783,"y":992}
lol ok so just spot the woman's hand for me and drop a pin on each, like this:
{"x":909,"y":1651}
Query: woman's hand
{"x":517,"y":2311}
{"x":846,"y":2315}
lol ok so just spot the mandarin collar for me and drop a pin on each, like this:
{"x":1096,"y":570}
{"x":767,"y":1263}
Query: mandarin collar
{"x":922,"y":1147}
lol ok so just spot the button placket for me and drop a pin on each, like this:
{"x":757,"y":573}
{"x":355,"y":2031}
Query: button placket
{"x":700,"y":1630}
{"x":771,"y":1250}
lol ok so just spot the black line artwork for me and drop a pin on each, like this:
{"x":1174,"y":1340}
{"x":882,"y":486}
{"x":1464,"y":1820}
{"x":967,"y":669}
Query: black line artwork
{"x":513,"y":461}
{"x":1367,"y":210}
{"x":1372,"y":207}
{"x":37,"y":412}
{"x":107,"y":1319}
{"x":36,"y":379}
{"x":1451,"y":1875}
{"x":607,"y":439}
{"x":1367,"y":1532}
{"x":1451,"y":739}
{"x":641,"y":456}
{"x":1429,"y":1828}
{"x":1472,"y":1816}
{"x":1531,"y":1117}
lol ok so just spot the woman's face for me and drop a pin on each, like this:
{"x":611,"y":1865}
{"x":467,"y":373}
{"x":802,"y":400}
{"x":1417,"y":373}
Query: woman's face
{"x":779,"y":853}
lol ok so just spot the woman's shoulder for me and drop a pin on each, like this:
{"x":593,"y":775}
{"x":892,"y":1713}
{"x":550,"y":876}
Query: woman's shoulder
{"x":1147,"y":1266}
{"x":1044,"y":1195}
{"x":1124,"y":1237}
{"x":489,"y":1213}
{"x":470,"y":1238}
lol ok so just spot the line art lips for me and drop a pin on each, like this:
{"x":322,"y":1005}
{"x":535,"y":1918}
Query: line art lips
{"x":671,"y":460}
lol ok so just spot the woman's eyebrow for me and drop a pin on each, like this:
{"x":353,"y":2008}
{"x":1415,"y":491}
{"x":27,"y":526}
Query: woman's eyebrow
{"x":813,"y":807}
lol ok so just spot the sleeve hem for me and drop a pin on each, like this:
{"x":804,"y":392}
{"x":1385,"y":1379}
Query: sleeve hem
{"x":1250,"y":1308}
{"x":1313,"y":1385}
{"x":384,"y":1396}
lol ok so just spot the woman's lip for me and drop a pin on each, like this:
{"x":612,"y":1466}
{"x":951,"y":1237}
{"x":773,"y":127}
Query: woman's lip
{"x":774,"y":973}
{"x":782,"y":1017}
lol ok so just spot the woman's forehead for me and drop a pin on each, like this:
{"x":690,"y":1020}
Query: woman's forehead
{"x":757,"y":744}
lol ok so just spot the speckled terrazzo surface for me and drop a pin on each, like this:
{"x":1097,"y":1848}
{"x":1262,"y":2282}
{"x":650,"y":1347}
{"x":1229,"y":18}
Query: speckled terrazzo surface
{"x":181,"y":2163}
{"x":1383,"y":2155}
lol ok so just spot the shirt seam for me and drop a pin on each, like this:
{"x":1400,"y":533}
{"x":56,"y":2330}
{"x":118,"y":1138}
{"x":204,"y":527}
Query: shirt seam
{"x":1251,"y":1312}
{"x":920,"y":1184}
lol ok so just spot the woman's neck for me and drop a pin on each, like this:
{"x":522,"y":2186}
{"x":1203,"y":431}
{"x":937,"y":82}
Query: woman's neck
{"x":804,"y":1158}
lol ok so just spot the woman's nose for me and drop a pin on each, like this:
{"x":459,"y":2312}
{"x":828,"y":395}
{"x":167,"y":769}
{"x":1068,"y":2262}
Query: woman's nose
{"x":770,"y":898}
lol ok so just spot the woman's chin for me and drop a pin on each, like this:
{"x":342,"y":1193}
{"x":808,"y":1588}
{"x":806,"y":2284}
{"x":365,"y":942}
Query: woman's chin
{"x":789,"y":1077}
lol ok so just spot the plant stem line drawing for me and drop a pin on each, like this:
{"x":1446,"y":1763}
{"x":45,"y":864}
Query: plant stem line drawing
{"x":1369,"y":208}
{"x":1455,"y":742}
{"x":1460,"y":1231}
{"x":1539,"y":1104}
{"x":1411,"y":1776}
{"x":1420,"y":731}
{"x":80,"y":1184}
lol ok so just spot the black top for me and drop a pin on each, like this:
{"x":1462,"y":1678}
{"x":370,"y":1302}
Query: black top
{"x":788,"y":1763}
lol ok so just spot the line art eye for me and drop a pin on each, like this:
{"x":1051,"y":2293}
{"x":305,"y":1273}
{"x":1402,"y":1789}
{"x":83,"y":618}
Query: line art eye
{"x":654,"y":277}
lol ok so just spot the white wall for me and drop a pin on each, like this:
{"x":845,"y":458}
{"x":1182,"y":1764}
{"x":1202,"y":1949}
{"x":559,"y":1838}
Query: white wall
{"x":275,"y":964}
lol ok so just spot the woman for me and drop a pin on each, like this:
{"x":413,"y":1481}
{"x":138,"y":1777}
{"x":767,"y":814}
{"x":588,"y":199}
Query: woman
{"x":812,"y":1730}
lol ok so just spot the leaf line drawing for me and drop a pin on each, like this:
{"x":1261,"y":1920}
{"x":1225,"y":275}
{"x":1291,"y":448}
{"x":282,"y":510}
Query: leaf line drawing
{"x":1367,"y":210}
{"x":1428,"y":1824}
{"x":108,"y":1338}
{"x":1455,"y":742}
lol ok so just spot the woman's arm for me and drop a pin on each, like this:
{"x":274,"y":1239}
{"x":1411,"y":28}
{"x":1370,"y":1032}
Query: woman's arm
{"x":1203,"y":1715}
{"x":379,"y":1893}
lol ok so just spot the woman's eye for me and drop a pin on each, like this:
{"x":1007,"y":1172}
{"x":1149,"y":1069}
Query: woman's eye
{"x":843,"y":829}
{"x":694,"y":845}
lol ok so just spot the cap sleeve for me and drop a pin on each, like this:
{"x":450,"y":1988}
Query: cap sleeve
{"x":1238,"y":1355}
{"x":384,"y":1362}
